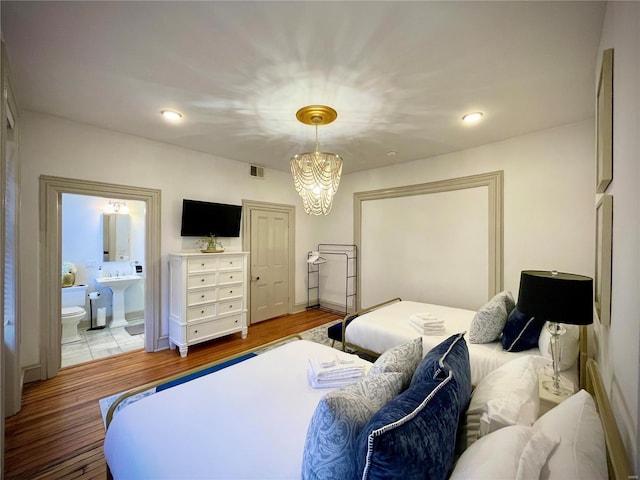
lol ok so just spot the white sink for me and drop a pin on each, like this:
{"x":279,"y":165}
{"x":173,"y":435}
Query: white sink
{"x":118,"y":285}
{"x":123,"y":281}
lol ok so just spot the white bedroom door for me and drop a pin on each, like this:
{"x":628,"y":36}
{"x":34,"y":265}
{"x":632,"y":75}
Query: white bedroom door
{"x":269,"y":264}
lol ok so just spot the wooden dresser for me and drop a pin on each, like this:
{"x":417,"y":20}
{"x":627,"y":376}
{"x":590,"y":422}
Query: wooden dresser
{"x":208,"y":297}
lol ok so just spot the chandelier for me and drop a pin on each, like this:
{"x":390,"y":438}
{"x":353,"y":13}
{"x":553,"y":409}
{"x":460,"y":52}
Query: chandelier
{"x":316,"y":175}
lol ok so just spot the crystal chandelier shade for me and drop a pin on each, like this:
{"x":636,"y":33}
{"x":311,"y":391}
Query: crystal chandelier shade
{"x":316,"y":175}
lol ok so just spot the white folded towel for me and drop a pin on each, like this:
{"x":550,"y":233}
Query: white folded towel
{"x":425,"y":319}
{"x":430,"y":329}
{"x":331,"y":383}
{"x":338,"y":370}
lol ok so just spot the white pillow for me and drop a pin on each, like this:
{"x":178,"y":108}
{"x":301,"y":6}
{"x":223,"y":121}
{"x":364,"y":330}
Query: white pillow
{"x":504,"y":412}
{"x":567,"y":442}
{"x":569,"y":345}
{"x":581,"y":452}
{"x":506,"y":396}
{"x":517,"y":452}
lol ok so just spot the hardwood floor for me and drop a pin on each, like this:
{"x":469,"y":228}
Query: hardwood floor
{"x":58,"y":433}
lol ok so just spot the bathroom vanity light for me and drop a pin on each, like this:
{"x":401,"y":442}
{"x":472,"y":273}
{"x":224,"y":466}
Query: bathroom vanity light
{"x":116,"y":206}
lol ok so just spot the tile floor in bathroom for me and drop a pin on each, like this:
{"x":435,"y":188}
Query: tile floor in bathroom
{"x":100,"y":344}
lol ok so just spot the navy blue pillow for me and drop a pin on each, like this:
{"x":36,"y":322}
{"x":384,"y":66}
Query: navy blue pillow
{"x":452,"y":354}
{"x":414,"y":435}
{"x":521,"y":332}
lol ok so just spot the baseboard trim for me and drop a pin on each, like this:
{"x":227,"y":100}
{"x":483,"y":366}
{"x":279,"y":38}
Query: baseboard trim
{"x":299,"y":307}
{"x":336,"y":308}
{"x":163,"y":343}
{"x":32,"y":373}
{"x":130,"y":316}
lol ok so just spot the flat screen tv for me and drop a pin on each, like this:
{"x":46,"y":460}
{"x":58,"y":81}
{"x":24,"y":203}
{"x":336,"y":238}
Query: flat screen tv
{"x":201,"y":219}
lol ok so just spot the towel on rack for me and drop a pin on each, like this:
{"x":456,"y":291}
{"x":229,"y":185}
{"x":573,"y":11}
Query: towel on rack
{"x":427,"y":324}
{"x":335,"y":371}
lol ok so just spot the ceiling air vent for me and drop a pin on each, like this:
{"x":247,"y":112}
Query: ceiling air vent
{"x":256,"y":171}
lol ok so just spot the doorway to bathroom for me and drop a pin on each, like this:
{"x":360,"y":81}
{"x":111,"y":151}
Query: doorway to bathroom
{"x":52,"y":190}
{"x":103,"y":251}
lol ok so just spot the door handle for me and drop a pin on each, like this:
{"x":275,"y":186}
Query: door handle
{"x":254,"y":279}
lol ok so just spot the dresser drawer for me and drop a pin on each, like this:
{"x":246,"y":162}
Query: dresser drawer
{"x":230,"y":262}
{"x":205,"y":295}
{"x":201,"y":311}
{"x":230,"y":306}
{"x":202,"y":280}
{"x":202,"y":264}
{"x":230,"y":292}
{"x":215,"y":327}
{"x":231,"y":276}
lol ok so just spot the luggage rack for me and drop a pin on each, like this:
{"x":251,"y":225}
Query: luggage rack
{"x":326,"y":252}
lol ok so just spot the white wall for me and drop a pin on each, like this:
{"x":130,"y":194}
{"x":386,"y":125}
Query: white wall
{"x":54,"y":146}
{"x":618,"y":345}
{"x":431,"y":248}
{"x":548,"y":189}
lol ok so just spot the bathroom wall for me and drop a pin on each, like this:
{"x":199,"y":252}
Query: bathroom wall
{"x":82,"y":246}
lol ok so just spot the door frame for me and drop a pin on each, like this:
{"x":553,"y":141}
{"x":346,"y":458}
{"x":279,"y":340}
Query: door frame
{"x":51,"y":190}
{"x":249,"y":206}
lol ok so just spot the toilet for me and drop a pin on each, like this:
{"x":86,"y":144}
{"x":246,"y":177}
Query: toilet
{"x":73,"y":302}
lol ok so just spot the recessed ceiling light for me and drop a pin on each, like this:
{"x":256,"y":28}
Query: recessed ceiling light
{"x":171,"y":115}
{"x":472,"y":117}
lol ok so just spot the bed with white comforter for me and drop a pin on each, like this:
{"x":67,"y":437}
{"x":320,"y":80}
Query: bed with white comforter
{"x":260,"y":419}
{"x":247,"y":421}
{"x":381,"y":329}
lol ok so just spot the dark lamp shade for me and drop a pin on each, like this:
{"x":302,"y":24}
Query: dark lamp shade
{"x":556,"y":296}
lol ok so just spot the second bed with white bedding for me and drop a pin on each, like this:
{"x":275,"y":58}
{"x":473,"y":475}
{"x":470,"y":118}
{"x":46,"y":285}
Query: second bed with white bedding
{"x":389,"y":326}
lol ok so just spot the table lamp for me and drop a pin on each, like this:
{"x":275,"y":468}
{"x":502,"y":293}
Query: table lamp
{"x":556,"y":297}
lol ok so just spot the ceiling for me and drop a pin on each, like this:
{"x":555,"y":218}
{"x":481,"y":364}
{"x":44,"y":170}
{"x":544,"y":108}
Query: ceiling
{"x":400,"y":74}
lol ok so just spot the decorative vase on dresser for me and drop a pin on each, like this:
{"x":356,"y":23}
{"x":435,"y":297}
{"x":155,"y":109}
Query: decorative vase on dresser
{"x":208,"y":297}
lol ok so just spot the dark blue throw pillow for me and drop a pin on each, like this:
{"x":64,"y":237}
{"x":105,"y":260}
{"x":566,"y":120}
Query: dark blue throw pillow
{"x":521,"y":332}
{"x":452,"y":354}
{"x":414,"y":435}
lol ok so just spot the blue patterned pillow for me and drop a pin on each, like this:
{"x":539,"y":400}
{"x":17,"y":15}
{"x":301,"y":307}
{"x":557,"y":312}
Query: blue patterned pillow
{"x":414,"y":435}
{"x":451,"y":354}
{"x":404,"y":359}
{"x":521,"y":332}
{"x":339,"y":417}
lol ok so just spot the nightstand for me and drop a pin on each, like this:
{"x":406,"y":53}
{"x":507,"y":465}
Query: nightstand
{"x":547,"y":399}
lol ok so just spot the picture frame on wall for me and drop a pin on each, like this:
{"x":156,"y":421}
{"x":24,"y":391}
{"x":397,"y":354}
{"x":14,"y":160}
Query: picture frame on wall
{"x":602,"y":277}
{"x":604,"y":123}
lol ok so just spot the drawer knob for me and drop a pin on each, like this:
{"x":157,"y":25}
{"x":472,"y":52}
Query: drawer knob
{"x":203,"y":264}
{"x":202,"y":311}
{"x":195,"y":331}
{"x":202,"y":280}
{"x":202,"y":296}
{"x":231,"y":276}
{"x":230,"y":291}
{"x":230,"y":306}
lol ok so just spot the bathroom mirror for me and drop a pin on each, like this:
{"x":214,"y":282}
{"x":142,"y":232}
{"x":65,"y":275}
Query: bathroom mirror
{"x":116,"y":229}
